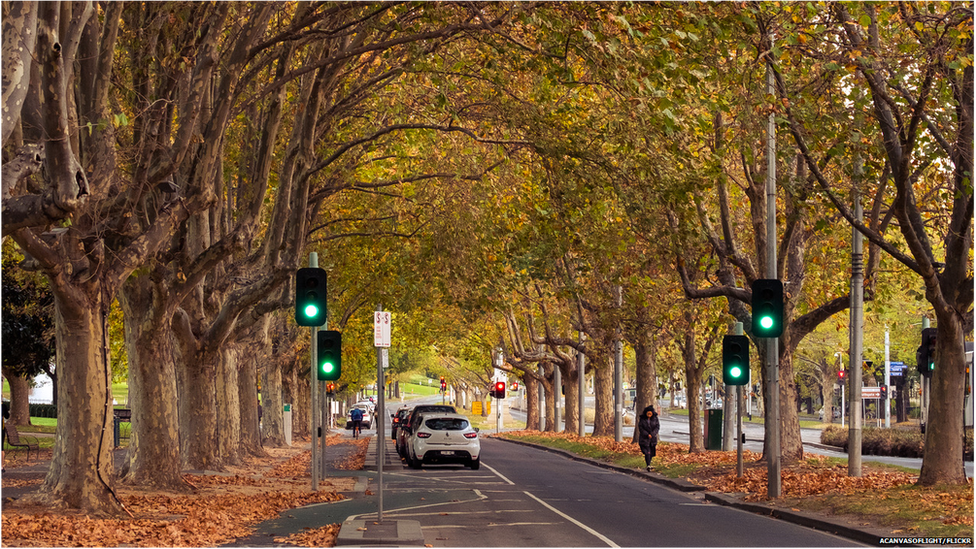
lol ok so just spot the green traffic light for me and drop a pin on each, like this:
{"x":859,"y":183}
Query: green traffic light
{"x":311,"y":311}
{"x":736,"y":372}
{"x":766,"y":322}
{"x":327,"y":367}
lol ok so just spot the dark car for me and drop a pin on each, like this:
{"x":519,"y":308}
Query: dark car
{"x":398,"y":418}
{"x":405,"y":428}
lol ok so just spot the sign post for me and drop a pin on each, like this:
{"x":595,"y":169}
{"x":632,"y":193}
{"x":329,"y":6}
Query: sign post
{"x":382,"y":331}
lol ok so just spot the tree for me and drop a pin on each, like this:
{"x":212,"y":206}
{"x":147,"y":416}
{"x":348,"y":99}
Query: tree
{"x":915,"y":67}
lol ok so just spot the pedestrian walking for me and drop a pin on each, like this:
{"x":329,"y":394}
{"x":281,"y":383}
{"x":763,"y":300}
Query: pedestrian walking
{"x":647,"y":430}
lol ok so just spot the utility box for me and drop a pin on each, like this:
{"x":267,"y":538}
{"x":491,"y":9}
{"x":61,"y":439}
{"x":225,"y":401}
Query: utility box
{"x":287,"y":424}
{"x":713,"y":429}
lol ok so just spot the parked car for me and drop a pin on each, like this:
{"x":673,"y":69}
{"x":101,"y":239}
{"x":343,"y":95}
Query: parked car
{"x":367,"y":416}
{"x":403,"y":432}
{"x":444,"y":438}
{"x":398,"y":418}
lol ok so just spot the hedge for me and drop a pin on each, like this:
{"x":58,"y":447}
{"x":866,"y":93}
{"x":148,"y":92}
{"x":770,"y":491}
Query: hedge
{"x":43,"y":410}
{"x":887,"y":442}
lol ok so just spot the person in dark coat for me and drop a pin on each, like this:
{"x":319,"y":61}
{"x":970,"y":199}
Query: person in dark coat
{"x":647,"y":429}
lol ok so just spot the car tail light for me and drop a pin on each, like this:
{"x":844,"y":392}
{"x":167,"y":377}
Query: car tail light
{"x":470,"y":435}
{"x":423,"y":435}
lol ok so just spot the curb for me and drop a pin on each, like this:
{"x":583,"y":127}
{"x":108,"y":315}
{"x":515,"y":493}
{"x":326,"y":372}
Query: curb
{"x":864,"y":535}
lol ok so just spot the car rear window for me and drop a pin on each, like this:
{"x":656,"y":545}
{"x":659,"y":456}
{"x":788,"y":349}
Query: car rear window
{"x":446,"y":424}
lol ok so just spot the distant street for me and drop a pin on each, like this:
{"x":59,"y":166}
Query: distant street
{"x":674,"y":428}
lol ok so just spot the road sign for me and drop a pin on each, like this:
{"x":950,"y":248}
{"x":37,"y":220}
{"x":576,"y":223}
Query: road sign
{"x":870,"y":392}
{"x":382,"y":328}
{"x":897,"y":368}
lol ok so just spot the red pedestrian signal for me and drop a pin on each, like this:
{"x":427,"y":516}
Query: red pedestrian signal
{"x":841,"y":375}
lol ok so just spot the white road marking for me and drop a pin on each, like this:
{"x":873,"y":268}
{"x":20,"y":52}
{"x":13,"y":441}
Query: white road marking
{"x":600,"y":536}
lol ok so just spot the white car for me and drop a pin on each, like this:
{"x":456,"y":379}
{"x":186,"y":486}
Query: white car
{"x":441,"y":437}
{"x":367,"y":416}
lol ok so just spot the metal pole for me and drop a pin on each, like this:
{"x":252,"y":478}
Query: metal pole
{"x":618,"y":376}
{"x":324,"y":420}
{"x":738,"y":416}
{"x":581,"y":378}
{"x":857,"y":333}
{"x":313,"y":261}
{"x":557,"y":391}
{"x":774,"y":474}
{"x":381,"y":411}
{"x":887,"y":380}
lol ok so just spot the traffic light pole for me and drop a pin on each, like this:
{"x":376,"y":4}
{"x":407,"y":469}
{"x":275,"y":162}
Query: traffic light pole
{"x":738,"y":414}
{"x":313,"y":261}
{"x":774,"y":475}
{"x":857,"y":333}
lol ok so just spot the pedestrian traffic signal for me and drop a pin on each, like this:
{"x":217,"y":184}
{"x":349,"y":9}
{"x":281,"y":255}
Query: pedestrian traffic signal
{"x":499,"y":389}
{"x":926,"y":352}
{"x":841,"y":375}
{"x":767,"y":307}
{"x":311,"y":289}
{"x":735,"y":360}
{"x":329,"y":361}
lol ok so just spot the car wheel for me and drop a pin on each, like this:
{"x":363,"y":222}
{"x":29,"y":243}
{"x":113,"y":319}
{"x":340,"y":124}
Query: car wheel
{"x":475,"y":464}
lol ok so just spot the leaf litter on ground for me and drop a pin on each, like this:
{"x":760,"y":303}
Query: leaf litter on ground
{"x":220,"y":509}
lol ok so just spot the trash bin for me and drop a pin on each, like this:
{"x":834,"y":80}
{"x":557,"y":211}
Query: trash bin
{"x":713,"y":429}
{"x":287,"y":424}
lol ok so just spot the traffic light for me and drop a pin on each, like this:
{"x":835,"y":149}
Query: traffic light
{"x":767,"y":307}
{"x":515,"y":385}
{"x":443,"y":384}
{"x":311,"y":290}
{"x":884,"y":392}
{"x":926,"y":353}
{"x":841,"y":375}
{"x":330,"y":388}
{"x":735,"y":360}
{"x":499,"y":389}
{"x":329,"y":362}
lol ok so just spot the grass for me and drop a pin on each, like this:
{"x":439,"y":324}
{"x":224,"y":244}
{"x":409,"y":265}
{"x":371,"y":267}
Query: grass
{"x":759,"y":420}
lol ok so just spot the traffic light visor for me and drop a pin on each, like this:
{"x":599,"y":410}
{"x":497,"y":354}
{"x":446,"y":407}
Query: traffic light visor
{"x":767,"y":307}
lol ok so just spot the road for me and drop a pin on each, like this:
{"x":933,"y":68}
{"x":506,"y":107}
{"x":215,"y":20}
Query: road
{"x":526,"y":497}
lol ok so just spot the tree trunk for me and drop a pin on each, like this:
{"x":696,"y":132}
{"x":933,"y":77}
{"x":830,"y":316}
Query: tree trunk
{"x":571,"y":411}
{"x":273,"y":397}
{"x":693,"y":381}
{"x":198,"y":415}
{"x":229,"y":405}
{"x":532,"y":387}
{"x":153,"y":457}
{"x":791,"y":445}
{"x":943,"y":463}
{"x":81,"y":473}
{"x":603,"y":420}
{"x":19,"y":400}
{"x":646,"y":376}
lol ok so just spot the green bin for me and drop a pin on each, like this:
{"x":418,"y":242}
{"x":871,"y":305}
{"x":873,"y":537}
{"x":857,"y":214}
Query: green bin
{"x":713,"y":429}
